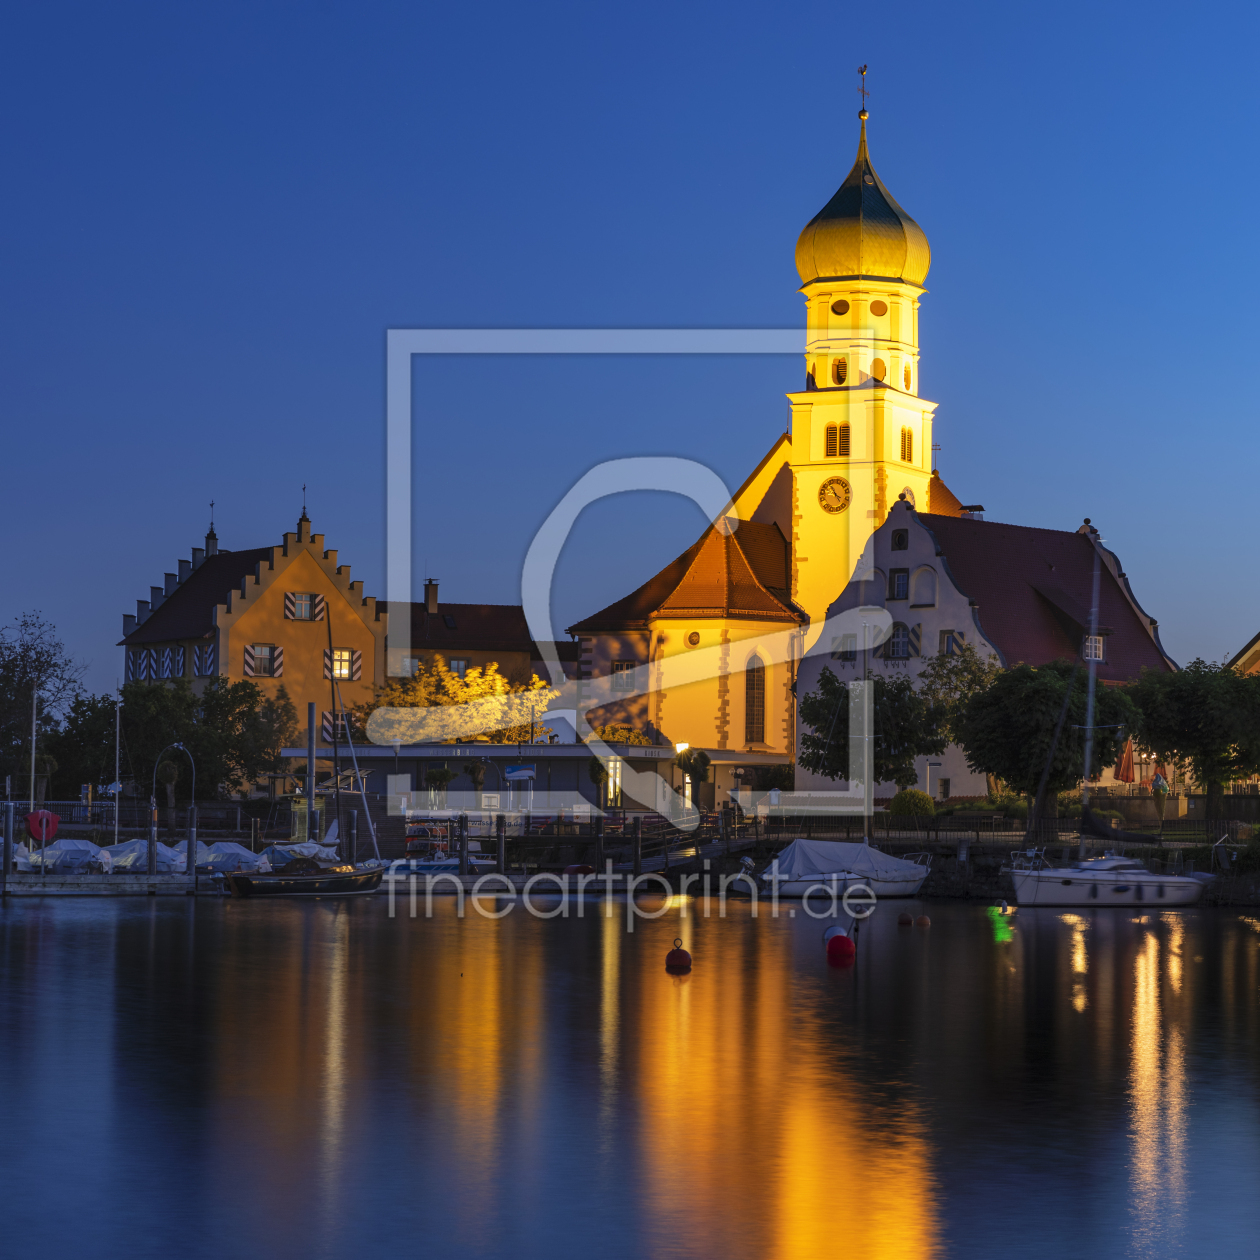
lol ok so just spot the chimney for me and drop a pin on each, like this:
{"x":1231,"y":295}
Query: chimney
{"x":171,"y":583}
{"x":155,"y":595}
{"x":212,"y":543}
{"x":185,"y":569}
{"x":129,"y":624}
{"x":430,"y":596}
{"x":199,"y":556}
{"x":142,"y":610}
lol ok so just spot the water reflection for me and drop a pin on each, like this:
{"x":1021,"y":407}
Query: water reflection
{"x":338,"y":1083}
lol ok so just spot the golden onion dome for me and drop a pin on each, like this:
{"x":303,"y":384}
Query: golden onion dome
{"x":862,"y":231}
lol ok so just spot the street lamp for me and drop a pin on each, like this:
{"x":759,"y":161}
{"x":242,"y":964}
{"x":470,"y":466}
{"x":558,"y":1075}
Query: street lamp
{"x":191,"y":861}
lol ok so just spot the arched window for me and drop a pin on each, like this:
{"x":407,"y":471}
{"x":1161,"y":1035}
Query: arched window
{"x":833,"y":441}
{"x":840,"y":370}
{"x":879,"y":369}
{"x":899,"y":644}
{"x":755,"y":702}
{"x":907,"y":445}
{"x":844,"y":441}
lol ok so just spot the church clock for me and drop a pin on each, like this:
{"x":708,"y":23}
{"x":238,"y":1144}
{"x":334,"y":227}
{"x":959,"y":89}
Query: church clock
{"x":835,"y":494}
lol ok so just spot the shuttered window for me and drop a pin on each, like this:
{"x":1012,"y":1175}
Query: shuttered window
{"x":907,"y":445}
{"x":840,"y":370}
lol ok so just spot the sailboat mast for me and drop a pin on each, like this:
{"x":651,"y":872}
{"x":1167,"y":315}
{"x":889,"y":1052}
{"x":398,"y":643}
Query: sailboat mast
{"x":1091,"y":655}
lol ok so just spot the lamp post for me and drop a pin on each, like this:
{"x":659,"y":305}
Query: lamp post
{"x":191,"y":860}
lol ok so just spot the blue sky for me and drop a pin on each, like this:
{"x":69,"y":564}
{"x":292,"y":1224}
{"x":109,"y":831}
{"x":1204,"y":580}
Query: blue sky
{"x":213,"y":214}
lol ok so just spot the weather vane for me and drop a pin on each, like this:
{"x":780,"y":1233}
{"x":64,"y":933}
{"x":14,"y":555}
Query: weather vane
{"x":212,"y":514}
{"x":304,"y":498}
{"x":862,"y":88}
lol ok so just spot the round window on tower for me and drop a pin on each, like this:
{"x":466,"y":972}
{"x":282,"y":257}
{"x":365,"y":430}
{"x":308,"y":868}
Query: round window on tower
{"x":693,"y":639}
{"x":879,"y":369}
{"x":879,"y":308}
{"x":840,"y":308}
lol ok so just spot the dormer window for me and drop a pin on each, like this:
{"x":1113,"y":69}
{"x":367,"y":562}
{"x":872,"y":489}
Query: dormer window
{"x":1092,"y":650}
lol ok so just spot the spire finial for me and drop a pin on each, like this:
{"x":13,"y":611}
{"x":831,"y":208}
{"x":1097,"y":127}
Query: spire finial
{"x":862,"y":89}
{"x":304,"y":517}
{"x":212,"y":515}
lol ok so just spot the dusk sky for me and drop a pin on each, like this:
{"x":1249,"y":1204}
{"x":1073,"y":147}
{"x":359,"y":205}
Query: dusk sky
{"x":212,"y":215}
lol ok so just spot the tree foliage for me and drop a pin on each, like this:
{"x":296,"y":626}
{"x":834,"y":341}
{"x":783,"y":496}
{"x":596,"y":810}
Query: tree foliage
{"x":947,"y":683}
{"x":436,"y":705}
{"x":1006,"y":730}
{"x":906,"y":726}
{"x":234,"y":732}
{"x":1206,"y":714}
{"x":33,"y":660}
{"x":694,"y":763}
{"x":620,"y":733}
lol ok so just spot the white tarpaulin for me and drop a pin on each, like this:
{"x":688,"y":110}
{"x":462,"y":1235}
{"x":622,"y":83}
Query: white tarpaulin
{"x":65,"y":855}
{"x":133,"y":856}
{"x":808,"y":859}
{"x":227,"y":855}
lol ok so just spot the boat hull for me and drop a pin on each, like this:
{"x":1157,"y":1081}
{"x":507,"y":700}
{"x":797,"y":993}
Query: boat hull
{"x":821,"y":885}
{"x":327,"y":884}
{"x":1068,"y":887}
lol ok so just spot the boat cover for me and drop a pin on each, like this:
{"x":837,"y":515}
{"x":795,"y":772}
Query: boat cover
{"x":279,"y":854}
{"x":133,"y":856}
{"x":227,"y":855}
{"x":807,"y":859}
{"x":64,"y":855}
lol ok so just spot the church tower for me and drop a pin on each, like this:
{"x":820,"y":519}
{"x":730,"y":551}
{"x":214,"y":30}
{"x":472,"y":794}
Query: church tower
{"x":861,"y":434}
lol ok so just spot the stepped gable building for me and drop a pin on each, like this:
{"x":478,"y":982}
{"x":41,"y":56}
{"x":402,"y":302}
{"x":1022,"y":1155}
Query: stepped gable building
{"x":857,"y":453}
{"x":290,"y":616}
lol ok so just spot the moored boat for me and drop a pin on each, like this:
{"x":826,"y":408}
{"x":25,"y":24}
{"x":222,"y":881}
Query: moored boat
{"x":817,"y":867}
{"x":304,"y":878}
{"x":1105,"y":881}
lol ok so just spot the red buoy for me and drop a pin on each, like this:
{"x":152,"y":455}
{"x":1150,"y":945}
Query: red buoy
{"x":678,"y":961}
{"x":904,"y":919}
{"x":840,"y":950}
{"x":923,"y":921}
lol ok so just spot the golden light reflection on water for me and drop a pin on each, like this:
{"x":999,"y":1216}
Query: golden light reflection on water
{"x":1158,"y":1097}
{"x":1080,"y":960}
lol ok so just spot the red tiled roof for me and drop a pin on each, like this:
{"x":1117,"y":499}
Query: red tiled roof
{"x":743,"y":574}
{"x":188,"y":611}
{"x":1032,"y":591}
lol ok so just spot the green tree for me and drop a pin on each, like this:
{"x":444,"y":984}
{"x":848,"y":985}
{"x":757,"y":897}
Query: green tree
{"x":1206,"y":714}
{"x":234,"y":733}
{"x":905,"y":727}
{"x":33,"y":663}
{"x":694,"y":763}
{"x":948,"y":682}
{"x":83,"y":745}
{"x":1007,"y":729}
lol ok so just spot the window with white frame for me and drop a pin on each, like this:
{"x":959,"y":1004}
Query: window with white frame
{"x":303,"y":607}
{"x":844,"y":647}
{"x":264,"y":660}
{"x":623,"y":675}
{"x":951,"y":642}
{"x":899,"y":644}
{"x":342,"y":659}
{"x":459,"y":666}
{"x":1093,"y":649}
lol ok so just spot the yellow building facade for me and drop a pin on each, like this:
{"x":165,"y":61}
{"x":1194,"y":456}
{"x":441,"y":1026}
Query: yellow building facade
{"x":860,"y":438}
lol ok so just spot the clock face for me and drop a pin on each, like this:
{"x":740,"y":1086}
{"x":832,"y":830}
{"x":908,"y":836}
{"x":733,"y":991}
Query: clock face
{"x":835,"y":494}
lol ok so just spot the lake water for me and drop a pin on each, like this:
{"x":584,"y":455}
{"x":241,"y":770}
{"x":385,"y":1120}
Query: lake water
{"x":319,"y":1080}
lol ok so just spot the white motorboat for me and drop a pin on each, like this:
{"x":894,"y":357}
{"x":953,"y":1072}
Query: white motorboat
{"x":1104,"y":881}
{"x":816,"y":867}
